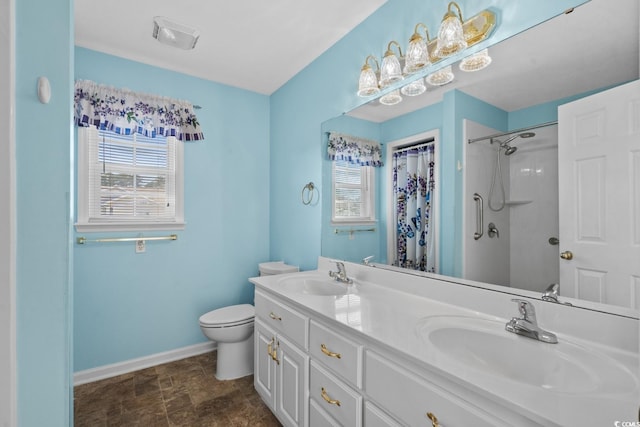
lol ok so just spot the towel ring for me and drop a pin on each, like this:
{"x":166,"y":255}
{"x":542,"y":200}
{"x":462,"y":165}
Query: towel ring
{"x":308,"y":198}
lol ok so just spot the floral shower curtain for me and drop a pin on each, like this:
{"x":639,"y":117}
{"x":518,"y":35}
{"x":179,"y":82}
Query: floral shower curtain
{"x":413,"y":189}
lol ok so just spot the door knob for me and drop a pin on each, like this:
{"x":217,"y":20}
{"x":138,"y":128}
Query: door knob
{"x":568,"y":255}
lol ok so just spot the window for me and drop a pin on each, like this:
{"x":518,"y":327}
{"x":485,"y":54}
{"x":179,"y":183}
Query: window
{"x":129,"y":182}
{"x":353,"y":193}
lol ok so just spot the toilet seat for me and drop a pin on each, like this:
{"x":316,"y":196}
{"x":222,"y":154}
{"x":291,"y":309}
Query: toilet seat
{"x":226,"y":317}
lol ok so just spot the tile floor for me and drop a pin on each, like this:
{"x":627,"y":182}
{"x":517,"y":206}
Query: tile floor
{"x":180,"y":393}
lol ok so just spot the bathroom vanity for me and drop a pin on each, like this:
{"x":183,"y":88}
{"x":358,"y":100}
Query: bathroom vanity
{"x":394,"y":349}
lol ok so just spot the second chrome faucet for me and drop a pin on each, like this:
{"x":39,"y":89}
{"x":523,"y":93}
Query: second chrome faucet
{"x":341,"y":274}
{"x":527,"y":325}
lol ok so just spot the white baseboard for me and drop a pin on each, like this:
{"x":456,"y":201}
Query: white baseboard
{"x":108,"y":371}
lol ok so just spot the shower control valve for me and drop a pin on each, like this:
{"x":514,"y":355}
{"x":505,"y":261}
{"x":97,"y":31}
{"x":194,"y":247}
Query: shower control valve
{"x":493,"y":231}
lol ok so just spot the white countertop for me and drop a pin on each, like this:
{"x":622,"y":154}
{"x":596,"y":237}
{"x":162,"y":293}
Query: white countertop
{"x":391,"y":308}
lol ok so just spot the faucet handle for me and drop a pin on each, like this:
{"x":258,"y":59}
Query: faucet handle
{"x":366,"y":260}
{"x":526,"y":309}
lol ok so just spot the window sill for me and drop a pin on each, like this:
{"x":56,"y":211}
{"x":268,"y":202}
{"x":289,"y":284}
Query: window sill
{"x":125,"y":226}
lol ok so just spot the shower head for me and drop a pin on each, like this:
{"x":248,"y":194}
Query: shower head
{"x":508,"y":149}
{"x":521,"y":135}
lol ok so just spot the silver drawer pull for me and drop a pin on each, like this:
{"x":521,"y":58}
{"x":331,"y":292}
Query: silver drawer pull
{"x":329,"y":400}
{"x":274,"y":316}
{"x":326,"y":351}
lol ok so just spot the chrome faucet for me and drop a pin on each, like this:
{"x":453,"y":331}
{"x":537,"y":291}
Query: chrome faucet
{"x":552,"y":293}
{"x":341,"y":274}
{"x":527,"y":325}
{"x":367,"y":260}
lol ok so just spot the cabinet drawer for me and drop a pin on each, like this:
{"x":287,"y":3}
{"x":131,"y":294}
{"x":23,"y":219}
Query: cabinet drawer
{"x":318,"y":417}
{"x":409,"y":398}
{"x":342,"y":356}
{"x":335,"y":397}
{"x":282,"y":318}
{"x":375,"y":417}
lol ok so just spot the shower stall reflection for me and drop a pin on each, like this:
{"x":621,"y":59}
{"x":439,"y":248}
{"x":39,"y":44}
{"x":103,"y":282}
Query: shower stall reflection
{"x":517,"y":175}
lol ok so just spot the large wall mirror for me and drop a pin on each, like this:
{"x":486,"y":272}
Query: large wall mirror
{"x":509,"y":113}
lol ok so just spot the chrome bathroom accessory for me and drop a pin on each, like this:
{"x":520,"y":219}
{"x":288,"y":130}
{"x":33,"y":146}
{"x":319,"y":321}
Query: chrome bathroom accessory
{"x":310,"y":189}
{"x":527,"y":325}
{"x":479,"y":216}
{"x":552,"y":293}
{"x":497,"y":170}
{"x":83,"y":240}
{"x":367,"y":260}
{"x":341,"y":274}
{"x":493,"y":231}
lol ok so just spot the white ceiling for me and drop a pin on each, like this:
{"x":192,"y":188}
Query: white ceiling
{"x":251,"y":44}
{"x":593,"y":47}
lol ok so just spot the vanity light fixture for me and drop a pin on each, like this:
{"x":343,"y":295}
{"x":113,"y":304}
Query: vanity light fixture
{"x":417,"y":51}
{"x":454,"y":35}
{"x":415,"y":88}
{"x":476,"y":62}
{"x":391,"y":71}
{"x":368,"y":82}
{"x":440,"y":77}
{"x":451,"y":37}
{"x":391,"y":98}
{"x":174,"y":34}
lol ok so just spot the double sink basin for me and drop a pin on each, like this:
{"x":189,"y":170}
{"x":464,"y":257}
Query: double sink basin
{"x":481,"y":347}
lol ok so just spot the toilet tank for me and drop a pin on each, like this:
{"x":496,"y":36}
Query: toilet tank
{"x":276,"y":267}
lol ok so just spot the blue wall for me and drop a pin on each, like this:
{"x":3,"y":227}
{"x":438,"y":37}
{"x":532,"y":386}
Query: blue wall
{"x":44,"y":47}
{"x":130,"y":305}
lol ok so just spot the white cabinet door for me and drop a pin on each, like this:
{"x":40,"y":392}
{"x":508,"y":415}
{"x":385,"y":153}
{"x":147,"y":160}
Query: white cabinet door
{"x":281,"y":374}
{"x":292,"y":372}
{"x":264,"y":375}
{"x":599,"y":182}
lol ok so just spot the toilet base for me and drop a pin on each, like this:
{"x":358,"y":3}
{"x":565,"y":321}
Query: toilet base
{"x":235,"y":360}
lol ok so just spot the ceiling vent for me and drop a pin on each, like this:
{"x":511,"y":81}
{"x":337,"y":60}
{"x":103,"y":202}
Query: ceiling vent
{"x":174,"y":34}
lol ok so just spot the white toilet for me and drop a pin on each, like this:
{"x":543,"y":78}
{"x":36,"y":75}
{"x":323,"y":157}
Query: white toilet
{"x":232,"y":328}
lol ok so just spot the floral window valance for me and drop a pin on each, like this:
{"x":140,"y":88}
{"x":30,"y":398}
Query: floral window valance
{"x":353,"y":149}
{"x":126,"y":112}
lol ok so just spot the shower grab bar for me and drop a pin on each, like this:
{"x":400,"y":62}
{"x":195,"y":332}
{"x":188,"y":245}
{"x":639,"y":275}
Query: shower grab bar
{"x":83,"y":240}
{"x":479,"y":216}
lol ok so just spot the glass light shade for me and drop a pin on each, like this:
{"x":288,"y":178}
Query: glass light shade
{"x":450,"y":36}
{"x":414,"y":88}
{"x":390,"y":71}
{"x":417,"y":54}
{"x":392,"y":98}
{"x":440,"y":77}
{"x":368,"y":82}
{"x":476,"y":62}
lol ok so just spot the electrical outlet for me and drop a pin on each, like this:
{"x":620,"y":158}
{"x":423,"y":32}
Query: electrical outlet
{"x":140,"y":246}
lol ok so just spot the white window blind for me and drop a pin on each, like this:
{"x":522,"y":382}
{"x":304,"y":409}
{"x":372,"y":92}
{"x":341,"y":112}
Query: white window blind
{"x":129,"y":181}
{"x":352,"y":193}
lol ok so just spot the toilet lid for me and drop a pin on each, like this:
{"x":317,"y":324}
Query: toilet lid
{"x":231,"y":314}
